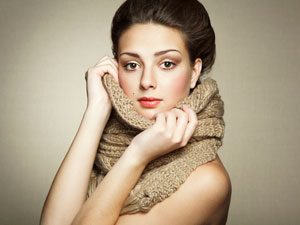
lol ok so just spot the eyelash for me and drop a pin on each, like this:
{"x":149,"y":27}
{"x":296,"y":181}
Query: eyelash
{"x":125,"y":66}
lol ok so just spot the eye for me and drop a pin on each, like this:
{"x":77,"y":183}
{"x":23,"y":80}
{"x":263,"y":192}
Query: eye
{"x":168,"y":65}
{"x":130,"y":66}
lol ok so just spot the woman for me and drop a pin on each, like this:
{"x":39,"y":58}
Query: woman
{"x":161,"y":50}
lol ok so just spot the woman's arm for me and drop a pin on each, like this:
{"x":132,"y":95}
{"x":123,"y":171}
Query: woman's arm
{"x":165,"y":135}
{"x":65,"y":200}
{"x":69,"y":188}
{"x":106,"y":202}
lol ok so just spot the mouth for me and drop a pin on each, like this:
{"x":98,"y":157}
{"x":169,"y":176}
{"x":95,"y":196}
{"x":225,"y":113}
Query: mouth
{"x":149,"y":102}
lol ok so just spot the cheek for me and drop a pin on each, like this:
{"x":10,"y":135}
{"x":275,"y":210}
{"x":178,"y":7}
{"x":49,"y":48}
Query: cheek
{"x":122,"y":83}
{"x":126,"y":85}
{"x":180,"y":86}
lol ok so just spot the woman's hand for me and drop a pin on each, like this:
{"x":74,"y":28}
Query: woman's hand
{"x":96,"y":92}
{"x":171,"y":130}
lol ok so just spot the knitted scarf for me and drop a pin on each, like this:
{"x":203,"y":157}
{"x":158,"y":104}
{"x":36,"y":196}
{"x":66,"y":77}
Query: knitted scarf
{"x":165,"y":174}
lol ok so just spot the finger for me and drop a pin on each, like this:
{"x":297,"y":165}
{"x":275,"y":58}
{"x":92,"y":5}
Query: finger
{"x":114,"y":62}
{"x":109,"y":61}
{"x":182,"y":120}
{"x":191,"y":126}
{"x":116,"y":65}
{"x":102,"y":59}
{"x":108,"y":68}
{"x":160,"y":120}
{"x":171,"y":122}
{"x":101,"y":70}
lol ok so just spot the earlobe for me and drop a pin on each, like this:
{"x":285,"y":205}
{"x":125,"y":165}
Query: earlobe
{"x":196,"y":72}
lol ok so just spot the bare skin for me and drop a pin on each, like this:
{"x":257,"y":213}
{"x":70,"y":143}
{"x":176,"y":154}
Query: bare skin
{"x":188,"y":205}
{"x":203,"y":199}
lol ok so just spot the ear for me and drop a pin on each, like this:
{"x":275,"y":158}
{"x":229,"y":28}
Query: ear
{"x":196,"y":72}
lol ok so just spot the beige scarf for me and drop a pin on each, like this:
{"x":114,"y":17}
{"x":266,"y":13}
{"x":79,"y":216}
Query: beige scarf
{"x":164,"y":175}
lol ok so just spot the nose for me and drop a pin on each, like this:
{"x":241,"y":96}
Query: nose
{"x":148,"y":79}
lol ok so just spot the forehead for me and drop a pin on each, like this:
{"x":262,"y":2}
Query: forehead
{"x":151,"y":38}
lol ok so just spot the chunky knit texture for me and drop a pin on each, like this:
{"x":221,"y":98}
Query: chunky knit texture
{"x":164,"y":175}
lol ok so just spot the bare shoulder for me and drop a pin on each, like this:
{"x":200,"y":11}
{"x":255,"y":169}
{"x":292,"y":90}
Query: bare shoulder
{"x":204,"y":198}
{"x":212,"y":187}
{"x":212,"y":177}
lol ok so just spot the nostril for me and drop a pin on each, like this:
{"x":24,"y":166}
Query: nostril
{"x":146,"y":84}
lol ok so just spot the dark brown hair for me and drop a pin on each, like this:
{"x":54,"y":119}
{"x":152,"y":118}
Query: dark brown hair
{"x":189,"y":16}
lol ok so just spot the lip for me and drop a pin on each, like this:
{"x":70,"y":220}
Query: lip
{"x":149,"y":99}
{"x":149,"y":102}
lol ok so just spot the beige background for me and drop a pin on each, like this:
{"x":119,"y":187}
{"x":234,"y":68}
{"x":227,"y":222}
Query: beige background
{"x":46,"y":47}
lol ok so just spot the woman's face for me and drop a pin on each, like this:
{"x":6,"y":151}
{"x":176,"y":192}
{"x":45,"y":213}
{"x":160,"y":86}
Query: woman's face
{"x":154,"y":63}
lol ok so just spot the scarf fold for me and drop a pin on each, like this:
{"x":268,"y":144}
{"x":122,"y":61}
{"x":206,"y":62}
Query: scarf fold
{"x":165,"y":174}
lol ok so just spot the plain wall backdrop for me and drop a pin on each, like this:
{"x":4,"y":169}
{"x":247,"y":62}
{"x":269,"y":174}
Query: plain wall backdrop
{"x":46,"y":47}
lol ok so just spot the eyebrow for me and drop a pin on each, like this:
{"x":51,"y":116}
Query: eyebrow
{"x":155,"y":54}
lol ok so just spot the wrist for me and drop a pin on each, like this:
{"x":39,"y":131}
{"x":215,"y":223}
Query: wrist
{"x":98,"y":113}
{"x":134,"y":156}
{"x":103,"y":105}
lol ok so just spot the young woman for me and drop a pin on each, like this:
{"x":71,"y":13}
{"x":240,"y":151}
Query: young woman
{"x":161,"y":50}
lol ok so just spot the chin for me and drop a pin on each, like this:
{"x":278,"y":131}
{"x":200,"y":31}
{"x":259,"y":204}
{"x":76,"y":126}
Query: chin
{"x":148,"y":113}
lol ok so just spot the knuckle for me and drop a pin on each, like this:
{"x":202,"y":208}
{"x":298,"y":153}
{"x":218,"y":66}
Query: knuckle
{"x":183,"y":143}
{"x":168,"y":135}
{"x":194,"y":114}
{"x":184,"y":116}
{"x":159,"y":129}
{"x":176,"y":141}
